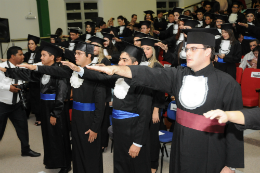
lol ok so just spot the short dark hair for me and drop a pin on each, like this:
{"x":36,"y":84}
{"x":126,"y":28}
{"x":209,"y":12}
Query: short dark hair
{"x":133,"y":15}
{"x":212,"y":56}
{"x":131,"y":57}
{"x":13,"y":51}
{"x":257,"y":48}
{"x":256,"y":40}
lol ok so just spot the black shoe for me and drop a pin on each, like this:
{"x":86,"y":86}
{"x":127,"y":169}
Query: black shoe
{"x":31,"y":153}
{"x":65,"y":170}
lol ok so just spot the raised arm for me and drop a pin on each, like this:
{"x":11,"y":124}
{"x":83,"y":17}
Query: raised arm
{"x":23,"y":74}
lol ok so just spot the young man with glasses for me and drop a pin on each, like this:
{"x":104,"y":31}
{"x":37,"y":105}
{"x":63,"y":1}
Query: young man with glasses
{"x":199,"y":144}
{"x":236,"y":16}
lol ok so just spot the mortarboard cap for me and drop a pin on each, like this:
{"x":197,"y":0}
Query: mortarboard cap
{"x":98,"y":21}
{"x":115,"y":30}
{"x":226,"y":26}
{"x":137,"y":25}
{"x":91,"y":24}
{"x":202,"y":10}
{"x":85,"y":47}
{"x":140,"y":34}
{"x":201,"y":38}
{"x":209,"y":15}
{"x":34,"y":38}
{"x":134,"y":51}
{"x":183,"y":17}
{"x":108,"y":35}
{"x":147,"y":23}
{"x":54,"y":36}
{"x":207,"y":3}
{"x":74,"y":31}
{"x":97,"y":40}
{"x":149,"y":12}
{"x":148,"y":41}
{"x":177,"y":9}
{"x":213,"y":31}
{"x":251,"y":10}
{"x":191,"y":23}
{"x":51,"y":48}
{"x":221,"y":17}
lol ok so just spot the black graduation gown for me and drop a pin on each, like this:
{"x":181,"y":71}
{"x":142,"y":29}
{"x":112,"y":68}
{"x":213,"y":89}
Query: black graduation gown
{"x":126,"y":32}
{"x":83,"y":36}
{"x":87,"y":157}
{"x":193,"y":150}
{"x":173,"y":58}
{"x":126,"y":131}
{"x":233,"y":57}
{"x":56,"y":140}
{"x":166,"y":33}
{"x":158,"y":102}
{"x":252,"y":119}
{"x":33,"y":99}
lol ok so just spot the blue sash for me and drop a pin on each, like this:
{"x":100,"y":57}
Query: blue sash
{"x":184,"y":65}
{"x":48,"y":96}
{"x":118,"y":114}
{"x":249,"y":38}
{"x":220,"y":60}
{"x":84,"y":106}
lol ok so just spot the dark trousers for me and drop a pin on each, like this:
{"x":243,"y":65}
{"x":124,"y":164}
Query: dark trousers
{"x":18,"y":117}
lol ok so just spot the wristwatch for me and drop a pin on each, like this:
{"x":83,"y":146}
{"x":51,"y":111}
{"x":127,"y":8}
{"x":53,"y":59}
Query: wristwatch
{"x":232,"y":169}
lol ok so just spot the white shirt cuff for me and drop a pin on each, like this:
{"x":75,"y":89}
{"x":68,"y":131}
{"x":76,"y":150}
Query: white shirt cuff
{"x":81,"y":72}
{"x":36,"y":68}
{"x":138,"y":145}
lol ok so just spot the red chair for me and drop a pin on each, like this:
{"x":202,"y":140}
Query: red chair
{"x":70,"y":111}
{"x":160,"y":58}
{"x":249,"y":83}
{"x":239,"y":74}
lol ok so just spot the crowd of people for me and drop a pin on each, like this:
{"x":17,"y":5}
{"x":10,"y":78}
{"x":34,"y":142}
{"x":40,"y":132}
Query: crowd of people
{"x":116,"y":72}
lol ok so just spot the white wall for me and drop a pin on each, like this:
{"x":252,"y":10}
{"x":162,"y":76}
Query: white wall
{"x":57,"y":15}
{"x":114,"y":8}
{"x":183,"y":3}
{"x":20,"y":27}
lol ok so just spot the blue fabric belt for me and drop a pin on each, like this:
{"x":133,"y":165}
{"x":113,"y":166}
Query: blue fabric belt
{"x":48,"y":96}
{"x":249,"y":38}
{"x":184,"y":65}
{"x":220,"y":60}
{"x":84,"y":106}
{"x":118,"y":114}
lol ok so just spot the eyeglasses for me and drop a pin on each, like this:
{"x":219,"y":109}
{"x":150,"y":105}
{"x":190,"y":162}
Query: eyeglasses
{"x":192,"y":49}
{"x":78,"y":53}
{"x":234,"y":7}
{"x":253,"y":45}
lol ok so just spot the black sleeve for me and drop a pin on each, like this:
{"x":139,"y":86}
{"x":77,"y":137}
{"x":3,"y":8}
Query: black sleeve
{"x":100,"y":94}
{"x":254,"y":30}
{"x":144,"y":101}
{"x":170,"y":41}
{"x":128,"y":39}
{"x":62,"y":71}
{"x":105,"y":61}
{"x":105,"y":79}
{"x":61,"y":93}
{"x":115,"y":58}
{"x":157,"y":79}
{"x":172,"y":57}
{"x":164,"y":34}
{"x":235,"y":56}
{"x":70,"y":56}
{"x":23,"y":74}
{"x":252,"y":119}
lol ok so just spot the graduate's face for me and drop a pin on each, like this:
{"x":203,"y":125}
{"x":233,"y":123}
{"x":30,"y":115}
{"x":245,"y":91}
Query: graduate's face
{"x":88,"y":29}
{"x":199,"y":58}
{"x":144,"y":29}
{"x":106,"y":43}
{"x":187,"y":13}
{"x":207,"y":8}
{"x":52,"y":40}
{"x":200,"y":15}
{"x":134,"y":19}
{"x":137,"y":43}
{"x":181,"y":24}
{"x":96,"y":48}
{"x":18,"y":57}
{"x":176,"y":16}
{"x":256,"y":53}
{"x":46,"y":58}
{"x":218,"y":23}
{"x":235,"y":8}
{"x":126,"y":60}
{"x":225,"y":34}
{"x":58,"y":59}
{"x":208,"y":20}
{"x":171,"y":18}
{"x":148,"y":17}
{"x":80,"y":57}
{"x":160,"y":15}
{"x":74,"y":36}
{"x":120,"y":22}
{"x":253,"y":44}
{"x":148,"y":51}
{"x":250,"y":17}
{"x":32,"y":46}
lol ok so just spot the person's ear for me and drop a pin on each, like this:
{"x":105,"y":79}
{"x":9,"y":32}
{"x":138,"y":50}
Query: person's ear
{"x":135,"y":63}
{"x":208,"y":52}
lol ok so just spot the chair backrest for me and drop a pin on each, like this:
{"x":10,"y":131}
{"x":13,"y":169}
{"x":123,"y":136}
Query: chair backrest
{"x":239,"y":74}
{"x":171,"y":110}
{"x":250,"y":82}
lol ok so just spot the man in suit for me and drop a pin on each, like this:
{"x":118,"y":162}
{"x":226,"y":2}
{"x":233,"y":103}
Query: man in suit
{"x":160,"y":22}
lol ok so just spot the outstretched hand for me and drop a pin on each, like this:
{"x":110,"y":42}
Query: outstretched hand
{"x":71,"y":65}
{"x":3,"y":69}
{"x":243,"y":24}
{"x":217,"y":114}
{"x":105,"y":69}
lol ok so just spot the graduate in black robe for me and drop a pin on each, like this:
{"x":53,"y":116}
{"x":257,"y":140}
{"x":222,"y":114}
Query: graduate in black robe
{"x":131,"y":115}
{"x":110,"y":51}
{"x":54,"y":122}
{"x":229,"y":52}
{"x":199,"y":144}
{"x":33,"y":95}
{"x":87,"y":112}
{"x":90,"y":31}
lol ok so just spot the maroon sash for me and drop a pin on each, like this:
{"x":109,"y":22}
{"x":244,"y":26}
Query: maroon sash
{"x":199,"y":122}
